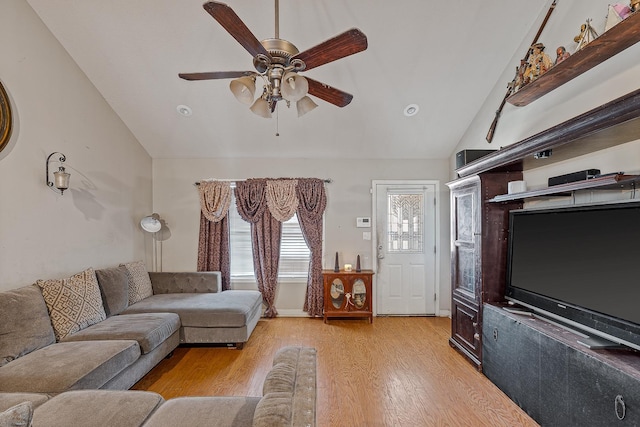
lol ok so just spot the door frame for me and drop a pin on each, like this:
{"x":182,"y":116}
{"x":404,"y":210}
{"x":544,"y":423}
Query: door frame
{"x":374,"y":234}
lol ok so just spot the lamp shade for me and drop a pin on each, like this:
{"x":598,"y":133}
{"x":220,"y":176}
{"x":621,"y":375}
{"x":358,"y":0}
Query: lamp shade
{"x":61,"y":179}
{"x":261,"y":108}
{"x":243,"y":89}
{"x":151,"y":223}
{"x":294,"y":87}
{"x":305,"y":105}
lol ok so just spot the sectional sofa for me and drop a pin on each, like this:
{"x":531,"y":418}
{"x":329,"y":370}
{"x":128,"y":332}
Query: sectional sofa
{"x":70,"y":348}
{"x":288,"y":400}
{"x":105,"y":329}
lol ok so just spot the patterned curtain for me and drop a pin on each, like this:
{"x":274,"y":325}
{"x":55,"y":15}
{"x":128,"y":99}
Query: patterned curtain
{"x":213,"y":241}
{"x":282,"y":199}
{"x":312,"y":201}
{"x":266,"y":232}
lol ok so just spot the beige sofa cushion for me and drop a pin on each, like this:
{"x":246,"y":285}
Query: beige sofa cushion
{"x":228,"y":309}
{"x":148,"y":329}
{"x":114,"y":287}
{"x":74,"y":302}
{"x":139,"y":281}
{"x":205,"y":411}
{"x":24,"y":323}
{"x":68,"y":366}
{"x":8,"y":400}
{"x":97,"y":408}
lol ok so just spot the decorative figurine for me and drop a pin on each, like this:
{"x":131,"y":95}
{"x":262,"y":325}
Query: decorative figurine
{"x":538,"y":63}
{"x":617,"y":13}
{"x":586,"y":36}
{"x":562,"y":54}
{"x":336,"y":268}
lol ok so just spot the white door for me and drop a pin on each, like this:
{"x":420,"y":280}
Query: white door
{"x":405,"y":246}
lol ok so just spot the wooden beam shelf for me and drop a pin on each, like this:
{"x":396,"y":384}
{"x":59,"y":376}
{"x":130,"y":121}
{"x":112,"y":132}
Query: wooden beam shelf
{"x":616,"y":122}
{"x":607,"y":182}
{"x":608,"y":44}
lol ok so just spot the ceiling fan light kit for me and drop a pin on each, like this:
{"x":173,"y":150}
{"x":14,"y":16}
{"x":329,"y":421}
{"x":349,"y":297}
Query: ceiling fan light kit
{"x":278,"y":63}
{"x":305,"y":105}
{"x":243,"y":89}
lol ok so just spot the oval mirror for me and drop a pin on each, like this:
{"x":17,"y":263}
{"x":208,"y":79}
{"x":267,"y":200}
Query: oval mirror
{"x":337,"y":293}
{"x":359,"y":293}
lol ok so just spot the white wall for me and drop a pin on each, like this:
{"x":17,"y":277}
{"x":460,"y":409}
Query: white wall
{"x":175,"y":198}
{"x":603,"y":83}
{"x":43,"y":234}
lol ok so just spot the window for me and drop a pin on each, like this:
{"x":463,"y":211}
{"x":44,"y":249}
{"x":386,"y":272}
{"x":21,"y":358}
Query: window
{"x":405,"y":223}
{"x":294,"y":253}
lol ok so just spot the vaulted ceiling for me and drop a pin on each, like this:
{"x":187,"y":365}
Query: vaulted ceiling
{"x":445,"y":56}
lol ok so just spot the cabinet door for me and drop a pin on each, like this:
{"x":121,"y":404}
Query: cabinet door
{"x":601,"y":395}
{"x":466,"y":234}
{"x":465,"y":331}
{"x":360,"y":294}
{"x":336,"y":295}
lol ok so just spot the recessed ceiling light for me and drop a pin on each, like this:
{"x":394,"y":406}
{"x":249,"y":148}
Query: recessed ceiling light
{"x":411,"y":110}
{"x":185,"y":110}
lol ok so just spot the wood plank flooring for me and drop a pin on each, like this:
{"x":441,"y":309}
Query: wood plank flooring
{"x":398,"y":371}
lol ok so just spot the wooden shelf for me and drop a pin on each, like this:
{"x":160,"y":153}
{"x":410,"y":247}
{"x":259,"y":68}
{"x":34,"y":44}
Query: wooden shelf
{"x":610,"y":43}
{"x":616,"y":122}
{"x":609,"y":182}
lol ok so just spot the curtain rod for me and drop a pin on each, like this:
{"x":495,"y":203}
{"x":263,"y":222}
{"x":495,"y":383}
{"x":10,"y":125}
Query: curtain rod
{"x":326,"y":180}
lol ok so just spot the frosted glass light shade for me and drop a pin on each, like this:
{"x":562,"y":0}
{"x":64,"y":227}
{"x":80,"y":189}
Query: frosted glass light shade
{"x":61,"y":179}
{"x":243,"y":89}
{"x":261,"y":108}
{"x":294,"y":87}
{"x":305,"y":105}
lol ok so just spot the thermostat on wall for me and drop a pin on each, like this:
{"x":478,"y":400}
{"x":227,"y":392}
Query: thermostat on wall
{"x":363,"y":222}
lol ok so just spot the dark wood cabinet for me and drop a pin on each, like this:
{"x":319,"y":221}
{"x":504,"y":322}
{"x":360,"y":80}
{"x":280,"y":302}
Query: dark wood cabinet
{"x":348,"y":294}
{"x":478,"y":255}
{"x":558,"y":382}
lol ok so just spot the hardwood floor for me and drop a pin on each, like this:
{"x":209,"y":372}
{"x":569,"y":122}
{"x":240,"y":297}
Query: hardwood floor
{"x":398,"y":371}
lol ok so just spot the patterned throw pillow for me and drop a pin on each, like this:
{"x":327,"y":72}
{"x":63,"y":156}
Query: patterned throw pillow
{"x":74,"y":303}
{"x":139,"y":281}
{"x":18,"y":415}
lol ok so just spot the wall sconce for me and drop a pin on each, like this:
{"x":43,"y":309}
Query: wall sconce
{"x":60,"y":177}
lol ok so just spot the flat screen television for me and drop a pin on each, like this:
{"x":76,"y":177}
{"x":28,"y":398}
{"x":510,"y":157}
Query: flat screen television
{"x":579,"y":265}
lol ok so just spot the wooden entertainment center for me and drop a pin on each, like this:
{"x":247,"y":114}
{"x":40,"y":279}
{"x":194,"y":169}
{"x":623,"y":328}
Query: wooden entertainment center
{"x":552,"y":378}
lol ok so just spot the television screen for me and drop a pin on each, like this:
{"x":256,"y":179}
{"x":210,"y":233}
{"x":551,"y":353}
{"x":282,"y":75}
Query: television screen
{"x":579,"y":263}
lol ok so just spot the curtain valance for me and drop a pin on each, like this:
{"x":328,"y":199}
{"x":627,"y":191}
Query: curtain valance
{"x":282,"y":197}
{"x":215,"y":197}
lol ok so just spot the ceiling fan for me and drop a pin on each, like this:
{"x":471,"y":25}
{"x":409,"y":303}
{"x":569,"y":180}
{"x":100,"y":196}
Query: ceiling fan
{"x":278,"y":63}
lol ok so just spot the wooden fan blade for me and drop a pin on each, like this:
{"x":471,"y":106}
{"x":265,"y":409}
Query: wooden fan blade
{"x":213,"y":75}
{"x":345,"y":44}
{"x":328,"y":93}
{"x":234,"y":26}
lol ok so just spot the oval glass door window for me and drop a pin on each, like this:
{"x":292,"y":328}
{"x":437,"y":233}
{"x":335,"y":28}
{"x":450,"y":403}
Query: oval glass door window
{"x":359,"y":293}
{"x":337,"y":293}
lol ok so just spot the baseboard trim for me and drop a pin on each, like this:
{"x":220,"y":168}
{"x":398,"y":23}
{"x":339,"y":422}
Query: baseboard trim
{"x":292,"y":312}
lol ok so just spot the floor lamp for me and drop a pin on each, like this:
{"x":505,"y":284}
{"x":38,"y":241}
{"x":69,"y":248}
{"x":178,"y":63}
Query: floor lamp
{"x":160,"y":232}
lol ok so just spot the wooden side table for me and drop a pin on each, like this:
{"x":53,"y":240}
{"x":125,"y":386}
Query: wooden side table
{"x":348,"y":294}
